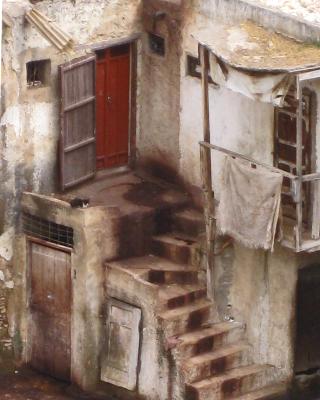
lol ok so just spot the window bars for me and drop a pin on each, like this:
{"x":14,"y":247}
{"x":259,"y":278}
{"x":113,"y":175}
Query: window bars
{"x":47,"y":230}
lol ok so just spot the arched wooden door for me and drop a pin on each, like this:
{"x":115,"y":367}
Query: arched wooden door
{"x":112,"y":107}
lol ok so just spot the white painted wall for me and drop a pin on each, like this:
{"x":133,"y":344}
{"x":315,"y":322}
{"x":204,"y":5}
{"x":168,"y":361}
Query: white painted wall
{"x":237,"y":123}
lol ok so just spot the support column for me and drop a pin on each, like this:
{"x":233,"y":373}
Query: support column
{"x":206,"y":172}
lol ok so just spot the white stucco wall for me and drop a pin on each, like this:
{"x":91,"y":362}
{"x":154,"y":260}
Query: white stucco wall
{"x":237,"y":123}
{"x":252,"y":286}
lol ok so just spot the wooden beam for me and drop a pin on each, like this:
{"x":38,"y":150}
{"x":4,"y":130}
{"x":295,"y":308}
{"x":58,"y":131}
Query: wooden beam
{"x":204,"y":58}
{"x":205,"y":162}
{"x":311,"y":177}
{"x":206,"y":172}
{"x":315,"y":229}
{"x":251,"y":160}
{"x":298,"y":228}
{"x":309,"y":76}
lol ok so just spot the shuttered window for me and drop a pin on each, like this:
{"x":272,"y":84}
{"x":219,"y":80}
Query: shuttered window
{"x":77,"y":141}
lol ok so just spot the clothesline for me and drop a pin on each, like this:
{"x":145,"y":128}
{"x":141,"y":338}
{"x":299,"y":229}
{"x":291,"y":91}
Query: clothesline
{"x":249,"y":159}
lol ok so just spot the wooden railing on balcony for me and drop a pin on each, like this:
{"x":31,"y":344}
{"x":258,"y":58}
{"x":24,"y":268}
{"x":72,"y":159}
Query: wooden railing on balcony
{"x":297,"y":234}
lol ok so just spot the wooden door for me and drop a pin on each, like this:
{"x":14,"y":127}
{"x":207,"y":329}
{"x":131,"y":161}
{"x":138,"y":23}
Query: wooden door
{"x":113,"y":97}
{"x":77,"y":139}
{"x":50,"y":307}
{"x":119,"y":362}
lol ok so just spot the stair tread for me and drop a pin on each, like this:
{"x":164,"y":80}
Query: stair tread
{"x":202,"y":333}
{"x":170,"y":291}
{"x":234,"y":373}
{"x":151,"y":262}
{"x":180,"y":311}
{"x":224,"y":351}
{"x":177,"y":238}
{"x":263,"y":393}
{"x":190,"y":213}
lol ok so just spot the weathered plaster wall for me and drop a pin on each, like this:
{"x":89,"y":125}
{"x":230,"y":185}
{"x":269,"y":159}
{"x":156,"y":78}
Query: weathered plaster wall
{"x":252,"y":286}
{"x":158,"y":142}
{"x":237,"y":10}
{"x":237,"y":122}
{"x":99,"y":236}
{"x":259,"y":289}
{"x":95,"y":240}
{"x":30,"y":116}
{"x":153,"y":372}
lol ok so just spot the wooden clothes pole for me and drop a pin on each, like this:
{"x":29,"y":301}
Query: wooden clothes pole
{"x":206,"y":173}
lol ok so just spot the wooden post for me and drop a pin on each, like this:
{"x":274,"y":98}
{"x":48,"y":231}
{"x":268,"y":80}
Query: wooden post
{"x":315,"y":231}
{"x":206,"y":173}
{"x":298,"y":228}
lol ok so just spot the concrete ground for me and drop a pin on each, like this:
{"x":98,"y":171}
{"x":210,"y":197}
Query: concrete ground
{"x":28,"y":385}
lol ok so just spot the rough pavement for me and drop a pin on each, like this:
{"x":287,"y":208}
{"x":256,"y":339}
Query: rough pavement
{"x":27,"y":385}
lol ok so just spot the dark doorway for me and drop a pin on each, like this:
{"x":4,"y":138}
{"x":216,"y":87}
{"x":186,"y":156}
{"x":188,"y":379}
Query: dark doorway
{"x":113,"y":106}
{"x":307,"y":349}
{"x":50,"y":310}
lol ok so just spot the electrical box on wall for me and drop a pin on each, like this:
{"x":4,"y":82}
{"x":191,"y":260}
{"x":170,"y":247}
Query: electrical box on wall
{"x":119,"y":363}
{"x":157,"y":44}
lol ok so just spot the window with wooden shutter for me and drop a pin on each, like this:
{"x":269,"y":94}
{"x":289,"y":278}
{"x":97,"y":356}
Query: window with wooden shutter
{"x":77,"y":140}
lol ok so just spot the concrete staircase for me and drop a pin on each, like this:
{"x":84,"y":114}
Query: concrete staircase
{"x":213,"y":360}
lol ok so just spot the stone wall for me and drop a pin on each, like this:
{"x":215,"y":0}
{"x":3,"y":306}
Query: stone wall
{"x":30,"y":115}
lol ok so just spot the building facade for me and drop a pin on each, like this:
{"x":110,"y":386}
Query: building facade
{"x":93,"y":89}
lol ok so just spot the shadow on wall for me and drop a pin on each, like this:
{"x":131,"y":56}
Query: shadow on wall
{"x":307,"y":350}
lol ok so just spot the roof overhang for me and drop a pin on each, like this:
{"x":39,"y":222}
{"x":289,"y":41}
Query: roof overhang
{"x":254,"y":49}
{"x":257,"y":63}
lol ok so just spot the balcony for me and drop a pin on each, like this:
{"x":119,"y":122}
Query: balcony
{"x":301,"y":218}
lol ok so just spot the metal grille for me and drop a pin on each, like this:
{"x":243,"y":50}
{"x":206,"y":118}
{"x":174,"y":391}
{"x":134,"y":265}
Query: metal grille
{"x":47,"y":230}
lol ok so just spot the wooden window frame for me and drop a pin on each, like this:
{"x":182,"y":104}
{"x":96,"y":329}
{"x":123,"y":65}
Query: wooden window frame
{"x":310,"y":123}
{"x":191,"y":69}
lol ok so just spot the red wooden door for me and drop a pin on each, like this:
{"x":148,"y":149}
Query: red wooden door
{"x":50,"y":306}
{"x":113,"y":94}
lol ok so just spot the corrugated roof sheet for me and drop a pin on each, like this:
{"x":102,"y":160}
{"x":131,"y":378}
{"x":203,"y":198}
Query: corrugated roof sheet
{"x":50,"y":30}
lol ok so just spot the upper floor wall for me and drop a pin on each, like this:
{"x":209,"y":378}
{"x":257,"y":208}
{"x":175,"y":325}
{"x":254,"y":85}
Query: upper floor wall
{"x":237,"y":123}
{"x":30,"y":114}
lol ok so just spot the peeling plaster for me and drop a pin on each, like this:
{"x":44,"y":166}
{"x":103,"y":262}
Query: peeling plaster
{"x":6,"y":244}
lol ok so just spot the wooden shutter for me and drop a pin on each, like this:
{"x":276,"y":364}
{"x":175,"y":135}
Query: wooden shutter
{"x":78,"y":139}
{"x":120,"y":362}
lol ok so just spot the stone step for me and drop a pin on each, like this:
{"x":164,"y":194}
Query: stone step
{"x":216,"y":362}
{"x":231,"y":384}
{"x":158,"y":270}
{"x":184,"y":319}
{"x":173,"y":296}
{"x":189,"y":221}
{"x":267,"y":393}
{"x":176,"y":247}
{"x":209,"y":338}
{"x":166,"y":277}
